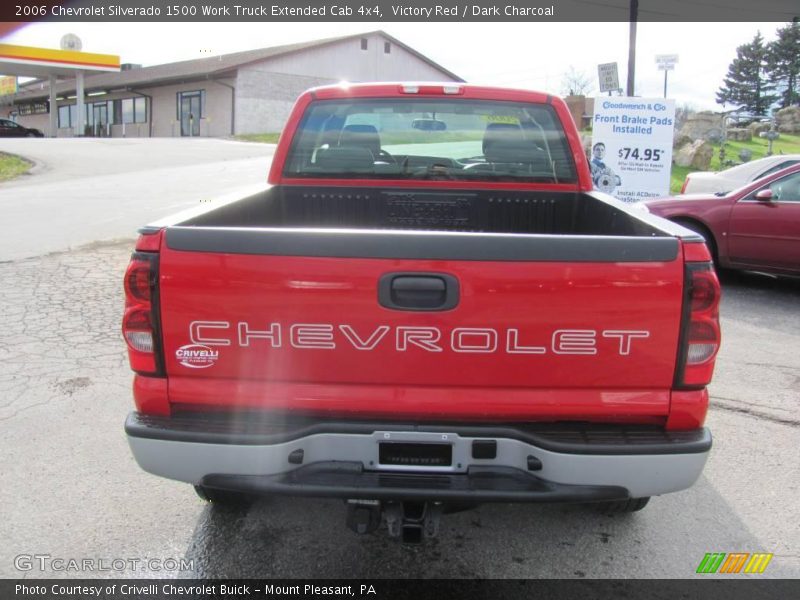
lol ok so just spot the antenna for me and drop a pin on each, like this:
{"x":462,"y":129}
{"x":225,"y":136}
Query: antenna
{"x":70,"y":41}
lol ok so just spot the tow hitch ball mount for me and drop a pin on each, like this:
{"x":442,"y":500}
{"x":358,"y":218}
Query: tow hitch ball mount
{"x":412,"y":522}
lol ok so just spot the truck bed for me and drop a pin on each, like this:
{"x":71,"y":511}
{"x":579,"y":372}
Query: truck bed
{"x":426,"y":224}
{"x":479,"y":211}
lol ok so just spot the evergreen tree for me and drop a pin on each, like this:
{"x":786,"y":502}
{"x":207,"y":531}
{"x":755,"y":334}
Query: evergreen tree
{"x":783,"y":63}
{"x":746,"y":84}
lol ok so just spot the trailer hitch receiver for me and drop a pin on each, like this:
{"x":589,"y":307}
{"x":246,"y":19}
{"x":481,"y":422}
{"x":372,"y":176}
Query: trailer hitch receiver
{"x":413,"y":522}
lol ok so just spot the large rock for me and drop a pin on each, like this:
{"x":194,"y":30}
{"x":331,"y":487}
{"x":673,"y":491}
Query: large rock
{"x":680,"y":141}
{"x":696,"y":155}
{"x":758,"y":127}
{"x":787,"y":119}
{"x":698,"y":125}
{"x":737,"y":134}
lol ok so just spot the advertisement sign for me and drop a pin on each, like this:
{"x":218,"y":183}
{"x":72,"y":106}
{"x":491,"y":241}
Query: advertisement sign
{"x":632,"y":147}
{"x":8,"y":85}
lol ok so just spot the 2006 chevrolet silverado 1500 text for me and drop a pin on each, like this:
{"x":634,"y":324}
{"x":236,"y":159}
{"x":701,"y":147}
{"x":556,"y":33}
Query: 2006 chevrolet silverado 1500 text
{"x":426,"y":307}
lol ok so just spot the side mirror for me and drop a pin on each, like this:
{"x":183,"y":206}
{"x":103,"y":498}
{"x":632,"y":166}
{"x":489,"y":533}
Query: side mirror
{"x":764,"y":195}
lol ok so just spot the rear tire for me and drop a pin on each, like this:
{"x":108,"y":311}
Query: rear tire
{"x":224,"y":498}
{"x":618,"y":507}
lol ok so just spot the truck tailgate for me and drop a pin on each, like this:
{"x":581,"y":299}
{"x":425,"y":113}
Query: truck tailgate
{"x":526,"y":339}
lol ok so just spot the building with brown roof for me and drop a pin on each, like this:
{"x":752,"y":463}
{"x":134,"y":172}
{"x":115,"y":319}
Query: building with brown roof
{"x":239,"y":93}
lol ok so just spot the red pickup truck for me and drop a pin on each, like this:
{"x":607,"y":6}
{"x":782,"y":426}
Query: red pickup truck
{"x":427,"y":307}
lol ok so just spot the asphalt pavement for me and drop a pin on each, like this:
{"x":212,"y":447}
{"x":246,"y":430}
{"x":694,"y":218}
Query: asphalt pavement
{"x":94,"y":189}
{"x":72,"y":490}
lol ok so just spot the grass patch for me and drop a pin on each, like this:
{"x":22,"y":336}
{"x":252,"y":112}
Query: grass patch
{"x":786,"y":144}
{"x":12,"y":166}
{"x":677,"y":178}
{"x":263,"y":138}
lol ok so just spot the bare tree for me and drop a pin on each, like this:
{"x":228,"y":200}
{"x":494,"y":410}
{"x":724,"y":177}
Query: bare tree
{"x":576,"y":83}
{"x":683,"y":112}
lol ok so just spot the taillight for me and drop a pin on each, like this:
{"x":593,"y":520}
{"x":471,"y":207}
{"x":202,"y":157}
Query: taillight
{"x":137,"y":280}
{"x":700,"y":333}
{"x":704,"y":293}
{"x":140,"y":320}
{"x":139,"y":330}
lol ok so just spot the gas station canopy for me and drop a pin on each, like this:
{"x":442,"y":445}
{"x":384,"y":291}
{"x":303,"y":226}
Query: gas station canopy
{"x":26,"y":61}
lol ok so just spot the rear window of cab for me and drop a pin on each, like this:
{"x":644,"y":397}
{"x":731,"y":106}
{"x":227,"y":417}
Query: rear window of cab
{"x":424,"y":138}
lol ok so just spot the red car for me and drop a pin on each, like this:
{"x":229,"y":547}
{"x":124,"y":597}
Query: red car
{"x":756,"y":227}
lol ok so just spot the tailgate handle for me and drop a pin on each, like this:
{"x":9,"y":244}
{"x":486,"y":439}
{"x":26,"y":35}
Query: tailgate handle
{"x":418,"y":291}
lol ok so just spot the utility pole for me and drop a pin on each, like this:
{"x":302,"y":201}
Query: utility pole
{"x":634,"y":15}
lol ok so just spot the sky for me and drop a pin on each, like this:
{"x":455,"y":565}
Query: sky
{"x":524,"y":55}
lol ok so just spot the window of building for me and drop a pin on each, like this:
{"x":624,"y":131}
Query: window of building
{"x":63,"y":117}
{"x":387,"y":48}
{"x":68,"y":115}
{"x":140,"y":110}
{"x":363,"y":43}
{"x":128,"y":110}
